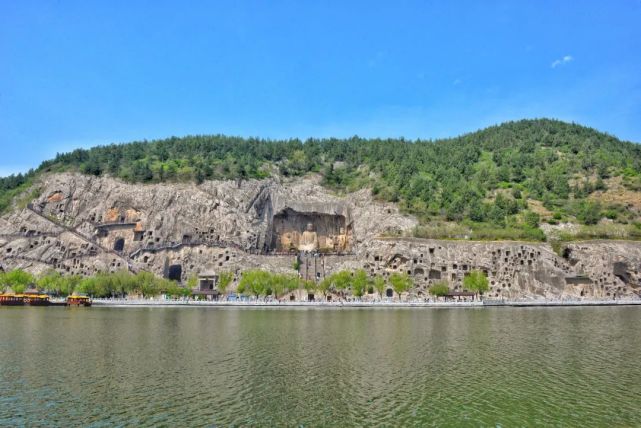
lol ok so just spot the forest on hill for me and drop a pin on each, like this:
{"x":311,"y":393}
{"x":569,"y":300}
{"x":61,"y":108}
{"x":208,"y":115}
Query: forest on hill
{"x":510,"y":176}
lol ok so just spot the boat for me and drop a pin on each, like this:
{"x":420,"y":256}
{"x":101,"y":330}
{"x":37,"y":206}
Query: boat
{"x":12,"y":299}
{"x":76,"y":300}
{"x":36,"y":299}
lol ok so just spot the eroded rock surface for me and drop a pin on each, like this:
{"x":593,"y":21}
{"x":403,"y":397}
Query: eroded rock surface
{"x":83,"y":224}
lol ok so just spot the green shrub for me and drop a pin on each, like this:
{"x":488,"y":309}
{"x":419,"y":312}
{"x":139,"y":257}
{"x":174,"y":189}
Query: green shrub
{"x":18,"y":280}
{"x":603,"y":231}
{"x":439,"y":289}
{"x":531,"y":219}
{"x":477,"y":282}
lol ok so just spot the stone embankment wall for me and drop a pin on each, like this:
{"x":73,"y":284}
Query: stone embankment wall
{"x":82,"y":225}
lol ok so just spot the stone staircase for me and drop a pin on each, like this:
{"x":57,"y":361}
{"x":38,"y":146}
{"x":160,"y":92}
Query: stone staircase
{"x":81,"y":236}
{"x":312,"y":266}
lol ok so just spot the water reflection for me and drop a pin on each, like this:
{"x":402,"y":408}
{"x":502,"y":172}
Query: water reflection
{"x":202,"y":366}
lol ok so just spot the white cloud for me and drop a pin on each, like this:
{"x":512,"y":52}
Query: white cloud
{"x":562,"y":61}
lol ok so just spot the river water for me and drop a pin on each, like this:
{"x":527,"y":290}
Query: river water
{"x":320,"y":367}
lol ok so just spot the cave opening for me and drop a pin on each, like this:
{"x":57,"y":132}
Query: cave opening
{"x":119,"y":245}
{"x":434,"y":274}
{"x":174,"y":273}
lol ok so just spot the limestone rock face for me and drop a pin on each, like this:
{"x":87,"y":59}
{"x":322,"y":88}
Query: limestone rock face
{"x":83,"y":224}
{"x":515,"y":270}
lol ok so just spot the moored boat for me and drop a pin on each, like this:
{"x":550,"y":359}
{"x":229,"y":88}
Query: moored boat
{"x":75,"y":300}
{"x":36,"y":299}
{"x":11,"y":299}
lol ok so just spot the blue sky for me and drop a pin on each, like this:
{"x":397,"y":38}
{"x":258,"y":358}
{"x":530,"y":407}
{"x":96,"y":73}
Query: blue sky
{"x":77,"y":74}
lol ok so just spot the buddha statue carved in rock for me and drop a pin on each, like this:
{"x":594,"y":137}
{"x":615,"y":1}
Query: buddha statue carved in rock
{"x":309,"y":239}
{"x":330,"y":243}
{"x":341,"y":240}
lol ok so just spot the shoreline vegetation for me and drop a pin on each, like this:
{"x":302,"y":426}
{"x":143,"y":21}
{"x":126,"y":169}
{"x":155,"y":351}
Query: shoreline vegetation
{"x":262,"y":303}
{"x":120,"y":283}
{"x":254,"y":283}
{"x":258,"y":288}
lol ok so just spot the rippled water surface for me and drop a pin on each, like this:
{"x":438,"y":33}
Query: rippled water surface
{"x":320,"y":367}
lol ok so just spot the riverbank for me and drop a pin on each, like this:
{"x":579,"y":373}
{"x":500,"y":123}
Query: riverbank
{"x":355,"y":304}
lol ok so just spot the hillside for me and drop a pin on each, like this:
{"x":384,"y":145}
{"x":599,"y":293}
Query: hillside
{"x":508,"y":178}
{"x":183,"y":208}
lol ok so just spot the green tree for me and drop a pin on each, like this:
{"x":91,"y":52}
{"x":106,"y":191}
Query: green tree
{"x":359,"y":283}
{"x":401,"y":282}
{"x":146,"y":284}
{"x":298,"y":162}
{"x":325,"y":285}
{"x":341,"y":280}
{"x":439,"y":289}
{"x":337,"y":281}
{"x":192,"y":281}
{"x":224,"y":279}
{"x":277,"y":285}
{"x":50,"y":282}
{"x":87,"y":286}
{"x":379,"y":285}
{"x":18,"y":280}
{"x":104,"y":284}
{"x":255,"y":282}
{"x":68,"y":284}
{"x":122,"y":282}
{"x":171,"y":288}
{"x":589,"y":212}
{"x":477,"y":282}
{"x":446,"y":179}
{"x":531,"y":219}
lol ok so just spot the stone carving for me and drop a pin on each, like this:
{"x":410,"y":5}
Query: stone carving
{"x":309,"y":239}
{"x":112,"y":215}
{"x":289,"y":241}
{"x":329,"y":243}
{"x":341,"y":240}
{"x":230,"y":225}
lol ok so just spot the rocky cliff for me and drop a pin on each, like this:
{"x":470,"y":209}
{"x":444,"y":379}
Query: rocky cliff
{"x":83,"y":224}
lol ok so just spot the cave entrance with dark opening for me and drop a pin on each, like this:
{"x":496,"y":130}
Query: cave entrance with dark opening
{"x":119,"y":245}
{"x":175,"y":273}
{"x":389,"y":292}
